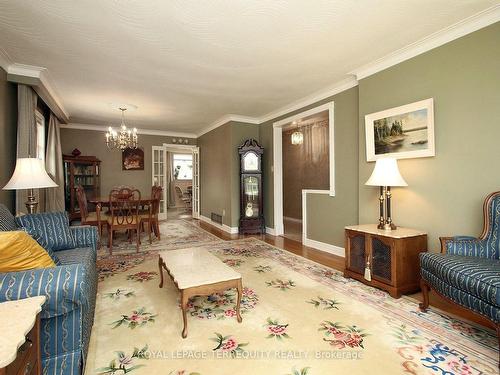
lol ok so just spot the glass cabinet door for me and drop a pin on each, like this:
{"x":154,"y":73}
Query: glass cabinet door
{"x":251,"y":196}
{"x":159,"y":172}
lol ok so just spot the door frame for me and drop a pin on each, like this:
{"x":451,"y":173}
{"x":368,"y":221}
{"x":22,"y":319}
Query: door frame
{"x":278,"y":159}
{"x":173,"y":147}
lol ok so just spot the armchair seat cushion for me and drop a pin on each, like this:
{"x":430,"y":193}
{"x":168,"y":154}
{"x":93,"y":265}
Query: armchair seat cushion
{"x":479,"y":277}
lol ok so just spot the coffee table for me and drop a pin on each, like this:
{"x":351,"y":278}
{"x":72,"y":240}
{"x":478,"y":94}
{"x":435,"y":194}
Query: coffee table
{"x":196,"y":272}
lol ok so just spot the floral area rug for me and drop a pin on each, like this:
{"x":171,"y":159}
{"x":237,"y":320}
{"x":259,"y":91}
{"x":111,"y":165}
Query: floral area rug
{"x":175,"y":234}
{"x":299,"y":318}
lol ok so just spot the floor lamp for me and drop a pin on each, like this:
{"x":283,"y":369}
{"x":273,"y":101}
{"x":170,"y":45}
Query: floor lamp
{"x":29,"y":174}
{"x":386,"y":174}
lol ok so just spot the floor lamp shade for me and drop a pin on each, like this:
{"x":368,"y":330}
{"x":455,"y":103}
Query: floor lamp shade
{"x":29,"y":174}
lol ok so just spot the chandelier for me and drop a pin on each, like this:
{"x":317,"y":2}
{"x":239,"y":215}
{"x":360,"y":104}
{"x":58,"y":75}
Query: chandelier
{"x":124,"y":138}
{"x":297,"y":137}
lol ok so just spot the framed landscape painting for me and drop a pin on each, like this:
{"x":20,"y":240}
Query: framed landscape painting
{"x":403,"y":132}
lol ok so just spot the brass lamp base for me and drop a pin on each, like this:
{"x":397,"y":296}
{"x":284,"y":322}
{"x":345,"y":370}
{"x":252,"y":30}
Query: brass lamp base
{"x":385,"y":220}
{"x":31,"y":203}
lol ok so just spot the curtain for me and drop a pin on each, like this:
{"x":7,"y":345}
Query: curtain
{"x":170,"y":180}
{"x":26,"y":135}
{"x":54,"y":197}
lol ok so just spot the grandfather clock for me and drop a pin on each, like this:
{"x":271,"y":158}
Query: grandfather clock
{"x":251,"y":213}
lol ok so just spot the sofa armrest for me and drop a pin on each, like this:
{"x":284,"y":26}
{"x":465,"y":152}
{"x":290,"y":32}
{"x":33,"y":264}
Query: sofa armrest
{"x":64,"y":286}
{"x":463,"y":245}
{"x":85,"y":236}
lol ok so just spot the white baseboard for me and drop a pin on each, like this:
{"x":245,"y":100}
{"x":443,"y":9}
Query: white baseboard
{"x":224,"y":227}
{"x":326,"y":247}
{"x":271,"y":231}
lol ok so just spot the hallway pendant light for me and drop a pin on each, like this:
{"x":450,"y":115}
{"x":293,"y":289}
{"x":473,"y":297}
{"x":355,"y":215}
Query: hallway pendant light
{"x":297,"y":138}
{"x":124,"y":138}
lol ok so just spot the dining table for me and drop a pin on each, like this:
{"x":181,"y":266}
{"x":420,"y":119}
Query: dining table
{"x":104,"y":201}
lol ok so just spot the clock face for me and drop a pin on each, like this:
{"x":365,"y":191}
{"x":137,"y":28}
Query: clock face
{"x":250,"y":162}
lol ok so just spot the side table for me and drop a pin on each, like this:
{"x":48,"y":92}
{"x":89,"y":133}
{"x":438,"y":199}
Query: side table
{"x":20,"y":338}
{"x":390,"y":256}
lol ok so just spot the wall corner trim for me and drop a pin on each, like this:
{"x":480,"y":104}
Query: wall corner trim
{"x":227,"y":118}
{"x":224,"y":227}
{"x":326,"y":247}
{"x":466,"y":26}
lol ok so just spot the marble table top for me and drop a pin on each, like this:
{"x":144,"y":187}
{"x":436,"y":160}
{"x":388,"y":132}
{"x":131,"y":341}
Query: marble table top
{"x":399,"y":232}
{"x":196,"y":266}
{"x":17,"y":318}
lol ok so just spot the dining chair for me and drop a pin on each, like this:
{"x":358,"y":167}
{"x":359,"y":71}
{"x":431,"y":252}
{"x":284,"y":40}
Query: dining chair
{"x":90,"y":218}
{"x":124,"y":207}
{"x":150,"y":216}
{"x":185,"y":198}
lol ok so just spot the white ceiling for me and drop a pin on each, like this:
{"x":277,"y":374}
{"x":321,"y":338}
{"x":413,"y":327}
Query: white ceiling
{"x":186,"y":63}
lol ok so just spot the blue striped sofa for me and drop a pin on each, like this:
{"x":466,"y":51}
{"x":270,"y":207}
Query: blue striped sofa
{"x":68,"y":314}
{"x":467,"y":271}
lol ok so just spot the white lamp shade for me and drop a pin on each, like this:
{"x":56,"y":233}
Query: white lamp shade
{"x":386,"y":173}
{"x":29,"y":174}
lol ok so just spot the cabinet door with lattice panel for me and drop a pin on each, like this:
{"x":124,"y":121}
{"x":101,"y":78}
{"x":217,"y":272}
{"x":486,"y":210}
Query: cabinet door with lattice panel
{"x":381,"y":259}
{"x":357,"y":252}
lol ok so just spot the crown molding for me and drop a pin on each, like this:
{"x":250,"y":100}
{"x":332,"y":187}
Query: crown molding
{"x":325,"y":93}
{"x":468,"y":25}
{"x":343,"y":85}
{"x":227,"y":118}
{"x":102,"y":128}
{"x":39,"y":78}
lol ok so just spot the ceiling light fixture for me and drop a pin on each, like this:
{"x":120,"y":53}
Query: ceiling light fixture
{"x":124,"y":138}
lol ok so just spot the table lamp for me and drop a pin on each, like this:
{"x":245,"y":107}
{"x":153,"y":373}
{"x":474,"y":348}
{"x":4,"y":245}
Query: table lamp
{"x":29,"y":174}
{"x":386,"y":174}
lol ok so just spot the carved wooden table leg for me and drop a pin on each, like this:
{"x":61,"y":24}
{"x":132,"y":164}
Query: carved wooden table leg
{"x":160,"y":265}
{"x":184,"y":302}
{"x":239,"y":288}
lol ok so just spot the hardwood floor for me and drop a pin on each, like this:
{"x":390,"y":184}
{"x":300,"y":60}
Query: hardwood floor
{"x":338,"y":263}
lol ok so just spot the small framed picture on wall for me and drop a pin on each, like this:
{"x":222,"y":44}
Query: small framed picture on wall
{"x":133,"y":159}
{"x":402,"y":132}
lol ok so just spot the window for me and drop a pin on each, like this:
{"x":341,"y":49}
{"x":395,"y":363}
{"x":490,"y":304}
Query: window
{"x":183,"y":166}
{"x":40,"y":135}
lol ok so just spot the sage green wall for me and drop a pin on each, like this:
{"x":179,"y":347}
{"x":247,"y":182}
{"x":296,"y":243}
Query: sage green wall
{"x":215,"y":179}
{"x":91,"y":142}
{"x":327,"y":216}
{"x":8,"y":135}
{"x":220,"y":171}
{"x":445,"y":192}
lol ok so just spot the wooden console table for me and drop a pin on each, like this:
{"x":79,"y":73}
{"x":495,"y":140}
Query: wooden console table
{"x":391,"y":256}
{"x":20,"y":339}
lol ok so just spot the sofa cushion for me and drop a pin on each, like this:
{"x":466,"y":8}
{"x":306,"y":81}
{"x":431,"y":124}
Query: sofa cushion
{"x":20,"y":252}
{"x":477,"y":276}
{"x":84,"y":256}
{"x":7,"y":220}
{"x":51,"y":230}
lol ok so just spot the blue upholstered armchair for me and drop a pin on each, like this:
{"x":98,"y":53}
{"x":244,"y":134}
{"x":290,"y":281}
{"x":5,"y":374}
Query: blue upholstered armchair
{"x":70,"y":287}
{"x":467,"y":271}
